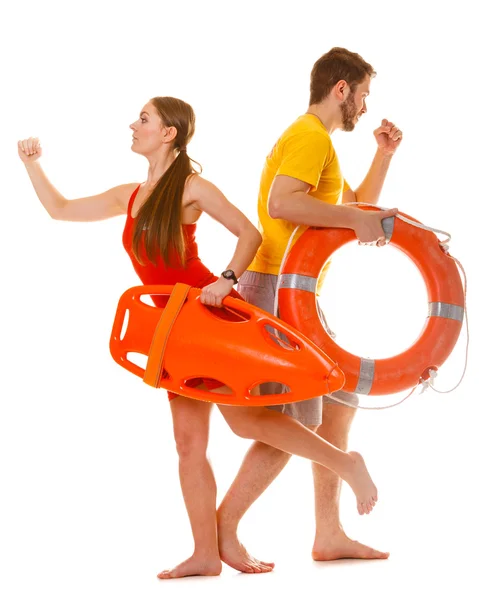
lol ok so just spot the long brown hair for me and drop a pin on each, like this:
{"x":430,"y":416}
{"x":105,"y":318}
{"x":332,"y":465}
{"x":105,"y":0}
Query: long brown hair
{"x":333,"y":66}
{"x":160,"y":215}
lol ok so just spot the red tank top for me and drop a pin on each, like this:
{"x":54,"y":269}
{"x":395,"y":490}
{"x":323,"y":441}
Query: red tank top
{"x":194,"y":272}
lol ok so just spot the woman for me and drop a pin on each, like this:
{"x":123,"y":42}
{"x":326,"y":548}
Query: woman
{"x":159,"y":236}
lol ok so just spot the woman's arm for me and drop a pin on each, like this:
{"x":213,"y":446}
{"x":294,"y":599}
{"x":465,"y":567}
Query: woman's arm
{"x":93,"y":208}
{"x":208,"y":198}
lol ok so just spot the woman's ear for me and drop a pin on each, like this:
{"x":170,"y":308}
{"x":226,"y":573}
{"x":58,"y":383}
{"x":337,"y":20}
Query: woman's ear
{"x":169,"y":134}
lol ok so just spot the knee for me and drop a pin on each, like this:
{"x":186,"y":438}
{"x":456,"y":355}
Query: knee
{"x":190,"y":445}
{"x":246,"y":426}
{"x":239,"y":428}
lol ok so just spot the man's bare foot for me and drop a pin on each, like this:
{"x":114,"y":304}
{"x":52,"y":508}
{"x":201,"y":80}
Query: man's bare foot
{"x":234,"y":554}
{"x":361,"y":483}
{"x":193,"y":566}
{"x":332,"y":546}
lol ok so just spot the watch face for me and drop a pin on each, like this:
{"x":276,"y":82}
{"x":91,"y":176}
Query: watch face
{"x":229,"y":274}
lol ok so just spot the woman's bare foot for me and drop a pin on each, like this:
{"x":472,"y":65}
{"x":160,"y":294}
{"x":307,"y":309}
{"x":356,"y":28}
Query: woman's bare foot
{"x":234,"y":554}
{"x":335,"y":545}
{"x":358,"y":477}
{"x":195,"y":565}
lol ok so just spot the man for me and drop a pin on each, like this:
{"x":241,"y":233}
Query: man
{"x":302,"y":184}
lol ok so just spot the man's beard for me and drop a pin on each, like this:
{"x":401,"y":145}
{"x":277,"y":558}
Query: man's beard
{"x":349,"y":112}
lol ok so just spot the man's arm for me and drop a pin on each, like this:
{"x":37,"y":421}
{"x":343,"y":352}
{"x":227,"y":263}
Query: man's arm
{"x":371,"y":186}
{"x":388,"y":137}
{"x":289,"y":200}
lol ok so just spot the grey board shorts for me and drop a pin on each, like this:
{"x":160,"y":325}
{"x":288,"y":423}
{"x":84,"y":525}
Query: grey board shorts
{"x":259,"y":289}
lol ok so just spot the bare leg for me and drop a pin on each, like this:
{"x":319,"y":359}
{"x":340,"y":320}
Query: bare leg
{"x":260,"y":467}
{"x":283,"y":432}
{"x":191,"y":427}
{"x":330,"y":541}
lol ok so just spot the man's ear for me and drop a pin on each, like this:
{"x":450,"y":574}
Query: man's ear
{"x":340,"y":90}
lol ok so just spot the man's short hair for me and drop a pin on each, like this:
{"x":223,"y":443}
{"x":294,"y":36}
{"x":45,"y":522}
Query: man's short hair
{"x":333,"y":66}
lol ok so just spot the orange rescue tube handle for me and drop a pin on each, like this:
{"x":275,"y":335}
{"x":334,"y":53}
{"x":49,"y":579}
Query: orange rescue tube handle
{"x":156,"y":354}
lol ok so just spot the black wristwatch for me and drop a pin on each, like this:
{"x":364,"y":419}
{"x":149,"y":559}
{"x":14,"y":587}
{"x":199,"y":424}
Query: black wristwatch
{"x":229,"y":274}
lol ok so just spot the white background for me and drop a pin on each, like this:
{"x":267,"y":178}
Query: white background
{"x":90,"y":504}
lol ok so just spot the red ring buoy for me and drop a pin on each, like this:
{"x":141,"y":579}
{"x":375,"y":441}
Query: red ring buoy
{"x":297,"y":305}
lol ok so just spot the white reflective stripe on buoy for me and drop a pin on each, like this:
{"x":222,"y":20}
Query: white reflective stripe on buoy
{"x":388,"y":228}
{"x":446,"y":311}
{"x":297,"y":282}
{"x":366,"y":376}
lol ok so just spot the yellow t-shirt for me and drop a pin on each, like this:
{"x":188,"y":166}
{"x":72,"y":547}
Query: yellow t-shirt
{"x":305,"y":152}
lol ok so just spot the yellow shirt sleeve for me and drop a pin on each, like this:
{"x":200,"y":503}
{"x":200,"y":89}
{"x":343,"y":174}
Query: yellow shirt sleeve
{"x":346,"y":186}
{"x":304,"y":157}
